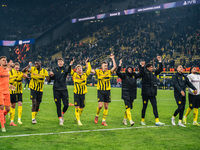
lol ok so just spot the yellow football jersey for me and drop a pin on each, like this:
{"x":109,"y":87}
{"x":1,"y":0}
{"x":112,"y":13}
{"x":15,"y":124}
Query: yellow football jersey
{"x":103,"y":77}
{"x":19,"y":82}
{"x":12,"y":79}
{"x":37,"y":79}
{"x":80,"y":81}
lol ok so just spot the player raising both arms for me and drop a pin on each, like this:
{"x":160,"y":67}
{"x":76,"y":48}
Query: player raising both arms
{"x":104,"y":87}
{"x":149,"y":90}
{"x":38,"y":75}
{"x":80,"y":88}
{"x":129,"y":89}
{"x":59,"y":75}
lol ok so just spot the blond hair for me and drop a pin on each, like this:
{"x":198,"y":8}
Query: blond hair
{"x":77,"y":66}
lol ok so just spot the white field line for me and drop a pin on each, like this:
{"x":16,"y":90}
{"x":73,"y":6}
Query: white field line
{"x":83,"y":131}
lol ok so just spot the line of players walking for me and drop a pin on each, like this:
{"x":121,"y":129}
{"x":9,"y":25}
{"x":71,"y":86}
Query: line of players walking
{"x":129,"y":90}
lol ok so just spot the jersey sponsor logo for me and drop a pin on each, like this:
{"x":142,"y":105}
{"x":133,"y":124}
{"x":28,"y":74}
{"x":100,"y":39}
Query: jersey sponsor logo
{"x":4,"y":76}
{"x":35,"y":74}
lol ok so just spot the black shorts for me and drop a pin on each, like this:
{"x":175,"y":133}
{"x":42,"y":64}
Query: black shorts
{"x":194,"y":101}
{"x":79,"y":100}
{"x":36,"y":95}
{"x":128,"y":103}
{"x":13,"y":98}
{"x":104,"y":96}
{"x":19,"y":97}
{"x":60,"y":94}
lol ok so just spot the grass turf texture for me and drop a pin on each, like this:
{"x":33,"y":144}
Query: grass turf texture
{"x":167,"y":137}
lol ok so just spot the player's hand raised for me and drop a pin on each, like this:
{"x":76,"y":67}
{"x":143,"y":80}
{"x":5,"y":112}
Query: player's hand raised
{"x":159,"y":58}
{"x":72,"y":61}
{"x":112,"y":56}
{"x":120,"y":62}
{"x":87,"y":60}
{"x":142,"y":63}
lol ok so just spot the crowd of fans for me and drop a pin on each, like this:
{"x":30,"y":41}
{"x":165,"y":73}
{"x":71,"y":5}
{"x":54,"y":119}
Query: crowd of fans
{"x":132,"y":39}
{"x":172,"y":34}
{"x":22,"y":20}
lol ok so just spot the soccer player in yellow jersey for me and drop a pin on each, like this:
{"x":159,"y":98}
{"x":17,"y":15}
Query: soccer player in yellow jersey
{"x":80,"y":88}
{"x":104,"y":87}
{"x":12,"y":79}
{"x":18,"y":91}
{"x":38,"y":75}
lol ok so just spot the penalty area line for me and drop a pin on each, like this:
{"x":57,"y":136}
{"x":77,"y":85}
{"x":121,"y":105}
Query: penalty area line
{"x":83,"y":131}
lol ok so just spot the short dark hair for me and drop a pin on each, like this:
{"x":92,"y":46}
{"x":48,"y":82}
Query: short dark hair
{"x":148,"y":65}
{"x":38,"y":61}
{"x":177,"y":66}
{"x":3,"y":57}
{"x":191,"y":69}
{"x":60,"y":58}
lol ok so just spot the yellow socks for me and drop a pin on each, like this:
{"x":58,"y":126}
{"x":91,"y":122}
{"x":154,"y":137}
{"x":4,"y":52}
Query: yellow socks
{"x":188,"y":111}
{"x":157,"y":120}
{"x":80,"y":111}
{"x":12,"y":114}
{"x":105,"y":113}
{"x":77,"y":114}
{"x":195,"y":114}
{"x":33,"y":115}
{"x":142,"y":120}
{"x":98,"y":111}
{"x":125,"y":115}
{"x":128,"y":112}
{"x":19,"y":112}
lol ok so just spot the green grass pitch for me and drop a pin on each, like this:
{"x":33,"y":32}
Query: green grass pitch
{"x":94,"y":136}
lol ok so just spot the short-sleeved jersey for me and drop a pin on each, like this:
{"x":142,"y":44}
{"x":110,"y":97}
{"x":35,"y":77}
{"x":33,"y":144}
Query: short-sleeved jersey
{"x":19,"y":82}
{"x":37,"y":79}
{"x":80,"y":81}
{"x":12,"y":79}
{"x":103,"y":77}
{"x":4,"y":80}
